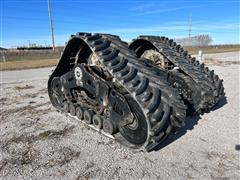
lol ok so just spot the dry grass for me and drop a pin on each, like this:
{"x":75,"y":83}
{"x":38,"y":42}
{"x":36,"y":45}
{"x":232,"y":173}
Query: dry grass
{"x":27,"y":64}
{"x":213,"y":49}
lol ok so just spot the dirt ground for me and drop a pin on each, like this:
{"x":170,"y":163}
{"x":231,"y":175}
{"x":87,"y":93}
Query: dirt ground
{"x":37,"y":142}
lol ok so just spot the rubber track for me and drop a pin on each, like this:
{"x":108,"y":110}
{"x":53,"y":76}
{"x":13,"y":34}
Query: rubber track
{"x":207,"y":80}
{"x":162,"y":106}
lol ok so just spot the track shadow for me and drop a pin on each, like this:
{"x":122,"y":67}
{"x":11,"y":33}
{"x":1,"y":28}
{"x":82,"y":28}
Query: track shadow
{"x":220,"y":104}
{"x":190,"y":122}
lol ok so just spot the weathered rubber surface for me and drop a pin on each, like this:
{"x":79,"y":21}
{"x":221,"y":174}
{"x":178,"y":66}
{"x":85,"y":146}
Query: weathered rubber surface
{"x":163,"y":108}
{"x":206,"y":86}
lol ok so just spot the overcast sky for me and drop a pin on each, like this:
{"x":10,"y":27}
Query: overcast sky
{"x":24,"y":21}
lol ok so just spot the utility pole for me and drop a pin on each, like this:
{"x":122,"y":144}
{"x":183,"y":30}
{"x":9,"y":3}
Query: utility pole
{"x":51,"y":24}
{"x":190,"y":24}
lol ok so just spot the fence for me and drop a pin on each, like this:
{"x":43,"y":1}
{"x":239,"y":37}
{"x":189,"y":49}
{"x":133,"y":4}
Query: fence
{"x":15,"y":55}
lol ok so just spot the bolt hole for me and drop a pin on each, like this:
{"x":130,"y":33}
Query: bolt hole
{"x":113,"y":93}
{"x":89,"y":82}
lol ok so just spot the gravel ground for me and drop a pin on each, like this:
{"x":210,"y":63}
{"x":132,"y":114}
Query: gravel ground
{"x":37,"y":142}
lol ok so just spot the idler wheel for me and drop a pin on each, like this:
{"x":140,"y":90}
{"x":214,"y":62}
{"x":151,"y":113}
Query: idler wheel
{"x":79,"y":113}
{"x":108,"y":126}
{"x":136,"y":133}
{"x":66,"y":107}
{"x":88,"y":114}
{"x":72,"y":109}
{"x":97,"y":121}
{"x":56,"y":84}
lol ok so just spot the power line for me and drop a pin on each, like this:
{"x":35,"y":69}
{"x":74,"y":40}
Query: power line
{"x":46,"y":20}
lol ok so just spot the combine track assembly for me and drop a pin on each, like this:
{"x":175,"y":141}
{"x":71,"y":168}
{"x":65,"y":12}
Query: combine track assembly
{"x":200,"y":88}
{"x":100,"y":81}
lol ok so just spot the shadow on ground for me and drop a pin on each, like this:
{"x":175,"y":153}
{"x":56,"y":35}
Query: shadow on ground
{"x":220,"y":104}
{"x":190,"y":122}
